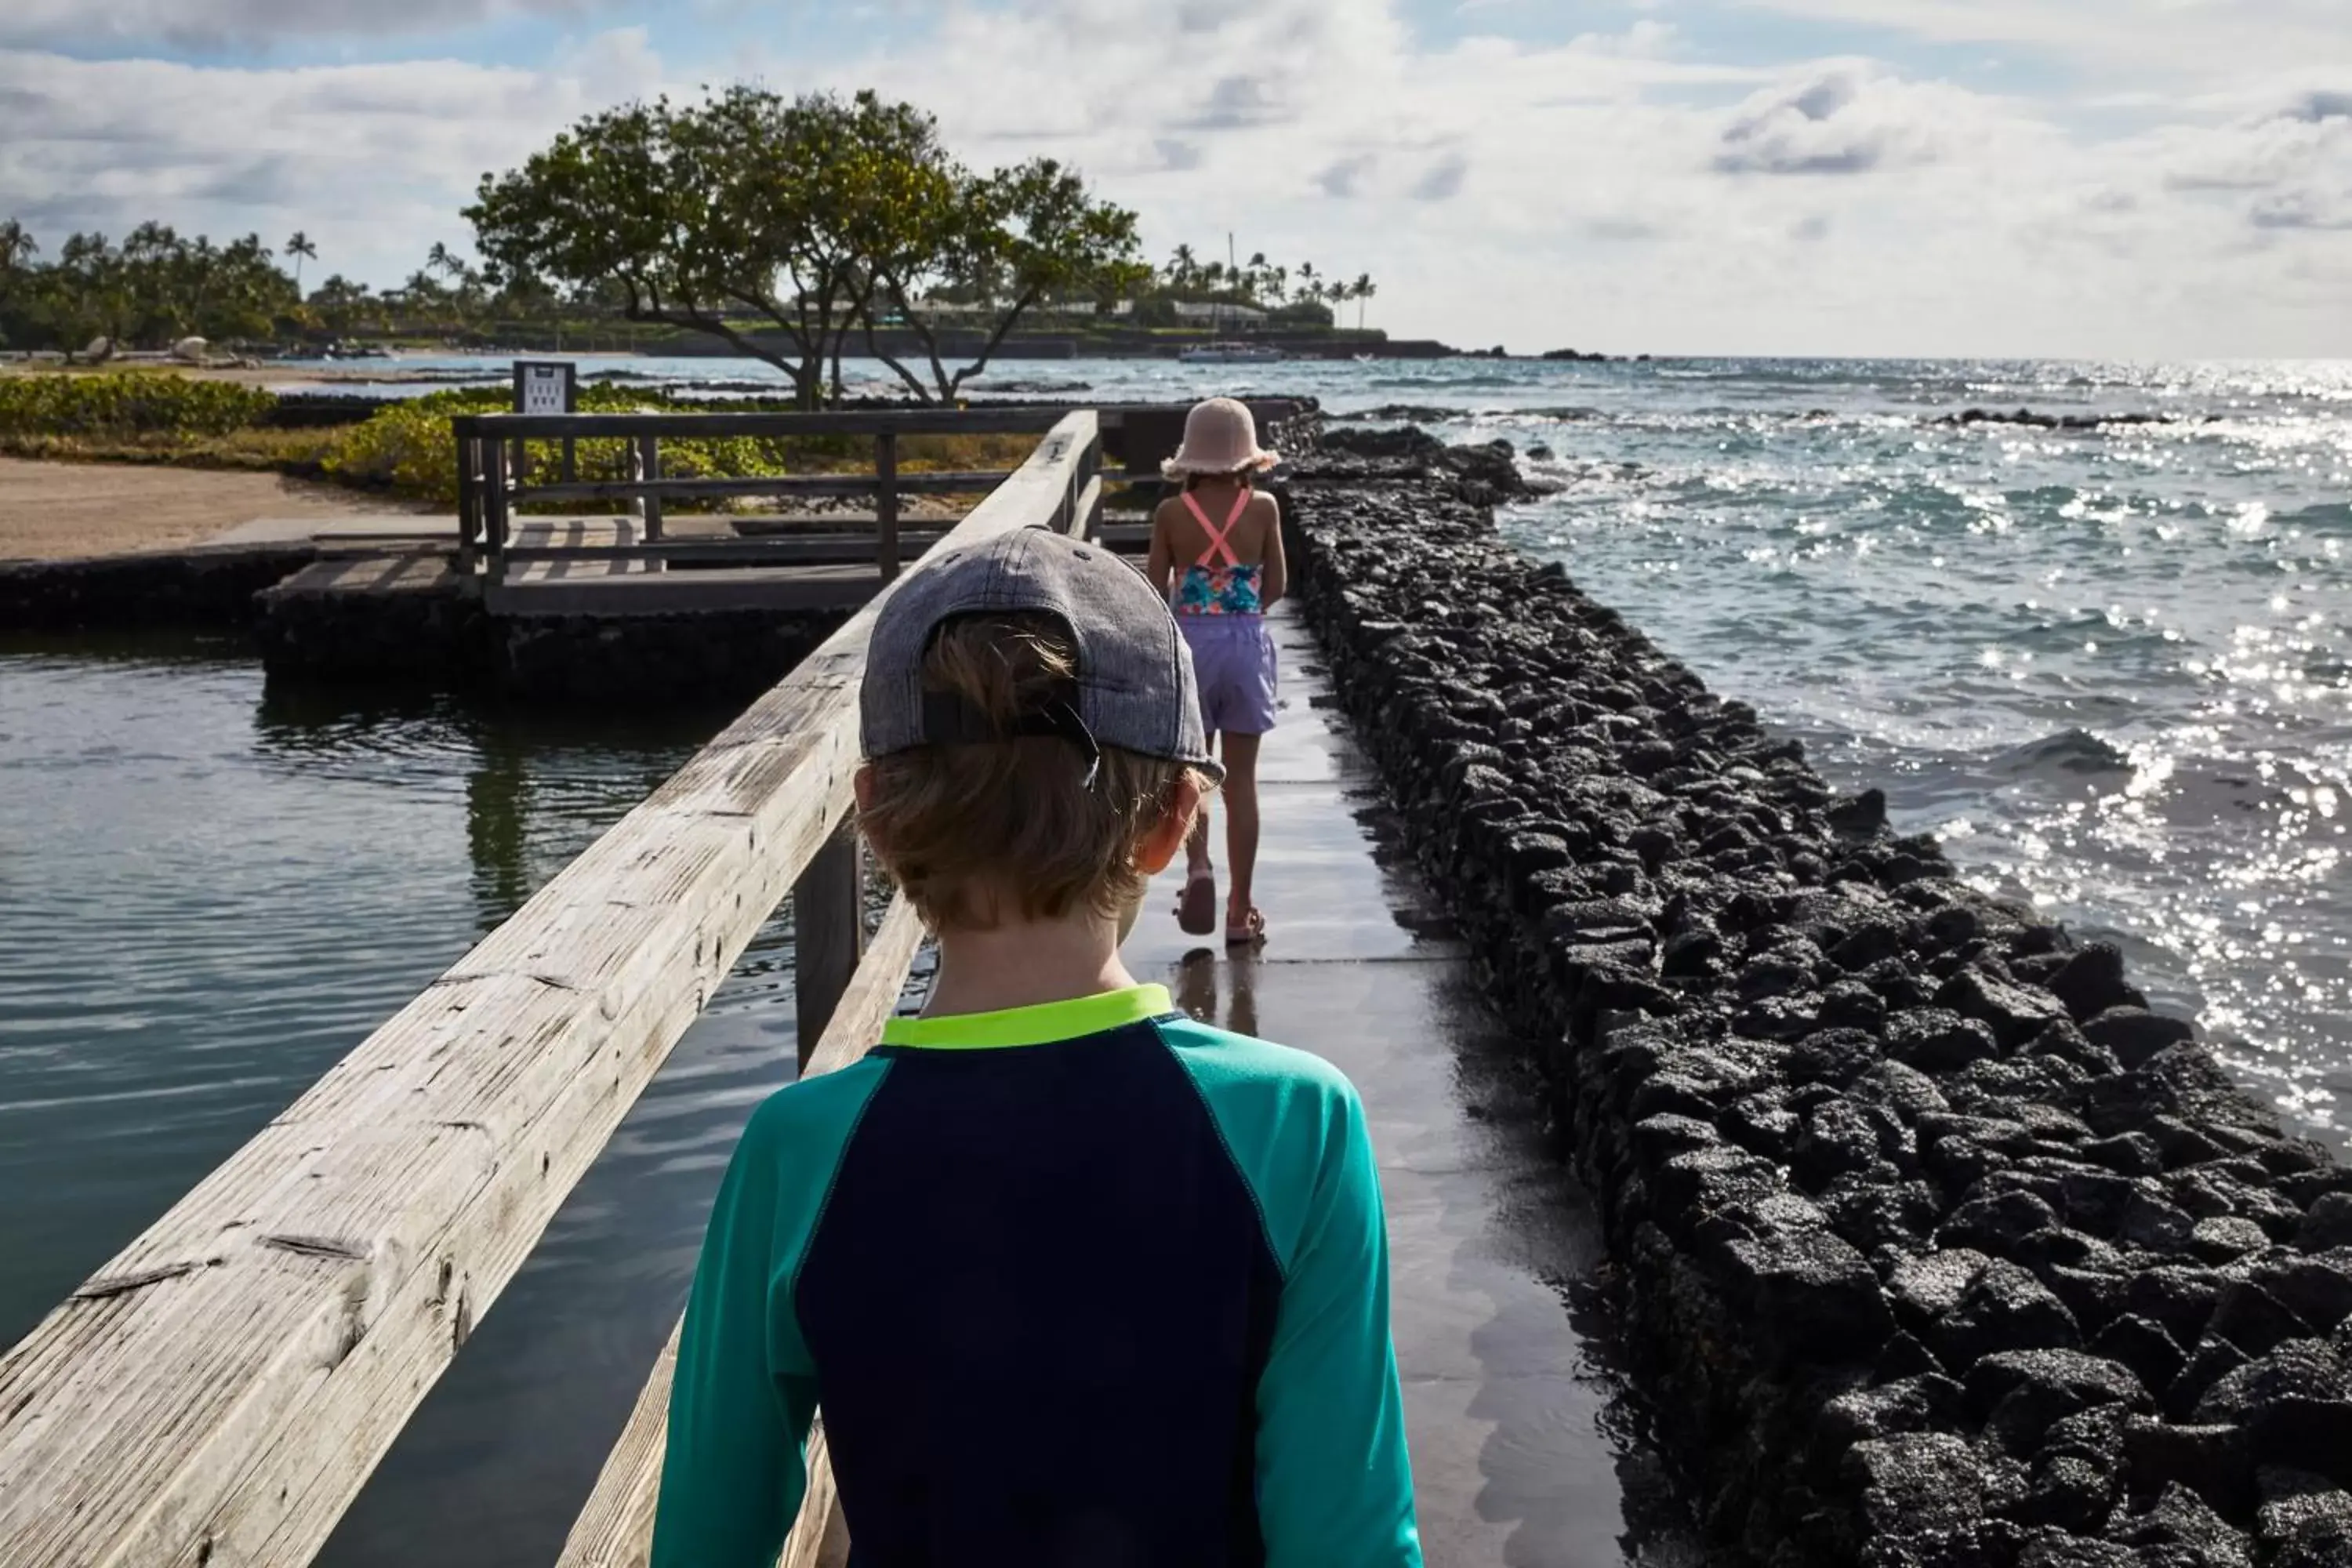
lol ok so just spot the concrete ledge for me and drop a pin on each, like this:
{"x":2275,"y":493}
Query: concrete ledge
{"x":1938,"y":1250}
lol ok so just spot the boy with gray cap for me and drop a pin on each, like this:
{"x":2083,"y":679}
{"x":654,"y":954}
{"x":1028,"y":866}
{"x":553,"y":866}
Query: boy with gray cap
{"x":1078,"y":1283}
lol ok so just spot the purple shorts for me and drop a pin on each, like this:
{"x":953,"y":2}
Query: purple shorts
{"x":1232,"y":662}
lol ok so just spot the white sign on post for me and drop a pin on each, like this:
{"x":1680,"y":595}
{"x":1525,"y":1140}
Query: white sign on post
{"x":546,"y":388}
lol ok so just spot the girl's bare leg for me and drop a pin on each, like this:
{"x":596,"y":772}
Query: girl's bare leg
{"x":1196,"y":843}
{"x":1239,"y":793}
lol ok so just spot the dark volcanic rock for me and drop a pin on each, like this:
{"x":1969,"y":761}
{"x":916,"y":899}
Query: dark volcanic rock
{"x":1859,"y":1133}
{"x":2013,"y":1013}
{"x":2328,"y":1225}
{"x":2182,"y":1529}
{"x":2135,"y":1033}
{"x":2141,"y":1344}
{"x":2305,"y":1520}
{"x":2027,"y":1392}
{"x":1917,"y":1483}
{"x":2295,"y":1404}
{"x":1811,"y":1295}
{"x":2092,"y":981}
{"x":1937,"y":1039}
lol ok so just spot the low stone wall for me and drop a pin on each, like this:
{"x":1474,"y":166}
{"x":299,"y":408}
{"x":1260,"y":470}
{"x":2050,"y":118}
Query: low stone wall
{"x":414,"y":628}
{"x":1938,"y":1247}
{"x":202,"y":587}
{"x":718,"y":657}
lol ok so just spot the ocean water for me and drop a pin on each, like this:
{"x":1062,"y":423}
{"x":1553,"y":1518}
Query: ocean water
{"x":2111,"y":668}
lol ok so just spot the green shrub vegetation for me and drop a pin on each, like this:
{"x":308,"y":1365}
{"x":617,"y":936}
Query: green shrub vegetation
{"x":407,"y":449}
{"x":128,"y":405}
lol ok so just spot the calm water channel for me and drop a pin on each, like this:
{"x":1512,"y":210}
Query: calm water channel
{"x":209,"y":894}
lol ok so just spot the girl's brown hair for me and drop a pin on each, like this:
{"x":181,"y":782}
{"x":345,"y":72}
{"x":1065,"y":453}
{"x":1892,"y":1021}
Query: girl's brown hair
{"x":970,"y":833}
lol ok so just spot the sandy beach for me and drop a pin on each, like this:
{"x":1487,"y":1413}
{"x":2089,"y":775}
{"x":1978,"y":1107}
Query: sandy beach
{"x":52,"y":511}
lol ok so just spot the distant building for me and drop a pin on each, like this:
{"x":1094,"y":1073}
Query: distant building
{"x":1217,"y":313}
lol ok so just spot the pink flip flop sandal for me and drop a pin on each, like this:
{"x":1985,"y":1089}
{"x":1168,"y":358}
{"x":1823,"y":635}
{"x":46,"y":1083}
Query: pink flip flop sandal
{"x":1251,"y":933}
{"x":1196,"y":911}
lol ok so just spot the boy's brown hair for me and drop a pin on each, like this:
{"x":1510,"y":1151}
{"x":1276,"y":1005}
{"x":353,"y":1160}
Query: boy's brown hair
{"x":973,"y":832}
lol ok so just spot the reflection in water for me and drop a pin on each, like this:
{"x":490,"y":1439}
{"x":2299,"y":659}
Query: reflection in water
{"x":498,"y":802}
{"x":208,"y":895}
{"x":1196,"y":990}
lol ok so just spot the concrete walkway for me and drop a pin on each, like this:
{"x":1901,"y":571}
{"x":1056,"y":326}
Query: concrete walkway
{"x":1487,"y":1233}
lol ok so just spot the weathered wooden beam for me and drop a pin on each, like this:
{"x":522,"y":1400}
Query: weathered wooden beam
{"x":975,"y":481}
{"x":615,"y":1529}
{"x":215,"y":1395}
{"x":669,"y":427}
{"x":737,"y":551}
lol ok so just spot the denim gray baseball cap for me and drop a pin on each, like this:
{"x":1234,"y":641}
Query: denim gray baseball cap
{"x":1135,"y":687}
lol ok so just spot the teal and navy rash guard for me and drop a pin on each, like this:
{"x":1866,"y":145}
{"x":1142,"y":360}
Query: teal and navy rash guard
{"x":1080,"y":1286}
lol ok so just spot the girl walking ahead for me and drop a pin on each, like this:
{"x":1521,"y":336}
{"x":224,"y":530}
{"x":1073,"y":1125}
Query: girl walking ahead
{"x":1216,"y":556}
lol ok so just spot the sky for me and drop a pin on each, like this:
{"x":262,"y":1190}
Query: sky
{"x":2131,"y":179}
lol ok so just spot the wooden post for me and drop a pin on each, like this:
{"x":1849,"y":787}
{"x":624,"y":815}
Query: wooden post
{"x":828,"y":932}
{"x":885,"y":502}
{"x":649,"y":467}
{"x":469,"y":496}
{"x":495,"y":513}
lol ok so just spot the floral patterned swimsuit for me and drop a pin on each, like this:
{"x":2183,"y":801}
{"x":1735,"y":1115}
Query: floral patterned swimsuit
{"x":1209,"y":588}
{"x":1220,"y":608}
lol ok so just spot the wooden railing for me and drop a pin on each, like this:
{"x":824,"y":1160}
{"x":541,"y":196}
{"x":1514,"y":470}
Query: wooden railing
{"x":218,"y":1392}
{"x":492,"y":489}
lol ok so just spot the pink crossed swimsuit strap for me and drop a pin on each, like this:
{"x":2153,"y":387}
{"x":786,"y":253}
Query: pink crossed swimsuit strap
{"x":1218,"y":537}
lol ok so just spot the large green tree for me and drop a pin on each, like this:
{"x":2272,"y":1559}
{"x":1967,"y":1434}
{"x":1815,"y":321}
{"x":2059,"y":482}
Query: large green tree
{"x":1006,"y":241}
{"x":748,"y":211}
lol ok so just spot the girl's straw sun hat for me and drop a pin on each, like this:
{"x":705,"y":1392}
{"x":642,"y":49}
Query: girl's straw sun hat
{"x":1220,"y":438}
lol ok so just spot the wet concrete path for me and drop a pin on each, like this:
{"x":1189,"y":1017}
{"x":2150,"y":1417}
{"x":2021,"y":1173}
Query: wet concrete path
{"x":1507,"y":1410}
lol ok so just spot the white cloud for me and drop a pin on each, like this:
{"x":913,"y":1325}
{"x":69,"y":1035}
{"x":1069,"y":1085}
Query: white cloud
{"x":1621,"y":192}
{"x":373,"y":159}
{"x":1846,"y":119}
{"x":222,"y":24}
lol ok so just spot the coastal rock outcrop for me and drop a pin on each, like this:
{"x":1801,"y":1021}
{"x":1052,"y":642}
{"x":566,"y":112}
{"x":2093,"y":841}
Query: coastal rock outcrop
{"x":1938,"y":1247}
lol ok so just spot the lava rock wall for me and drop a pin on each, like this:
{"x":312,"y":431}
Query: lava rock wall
{"x":207,"y":587}
{"x":1938,"y":1247}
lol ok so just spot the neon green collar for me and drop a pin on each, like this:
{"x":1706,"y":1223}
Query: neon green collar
{"x":1039,"y":1025}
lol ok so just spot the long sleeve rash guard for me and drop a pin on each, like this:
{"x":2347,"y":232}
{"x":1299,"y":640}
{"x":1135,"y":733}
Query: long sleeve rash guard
{"x":1080,"y":1286}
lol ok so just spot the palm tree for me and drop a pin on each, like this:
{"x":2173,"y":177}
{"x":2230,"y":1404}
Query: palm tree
{"x":17,"y":246}
{"x":300,"y":247}
{"x":1361,"y":289}
{"x":1182,"y":267}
